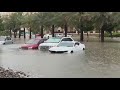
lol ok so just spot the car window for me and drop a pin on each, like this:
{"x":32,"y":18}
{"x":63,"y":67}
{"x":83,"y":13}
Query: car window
{"x":41,"y":41}
{"x":65,"y":44}
{"x":66,"y":39}
{"x":7,"y":38}
{"x":32,"y":41}
{"x":77,"y":43}
{"x":53,"y":40}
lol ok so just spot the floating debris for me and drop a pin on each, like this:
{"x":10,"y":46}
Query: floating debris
{"x":11,"y":74}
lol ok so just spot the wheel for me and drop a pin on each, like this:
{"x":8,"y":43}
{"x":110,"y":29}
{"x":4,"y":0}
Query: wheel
{"x":3,"y":43}
{"x":83,"y":48}
{"x":71,"y":52}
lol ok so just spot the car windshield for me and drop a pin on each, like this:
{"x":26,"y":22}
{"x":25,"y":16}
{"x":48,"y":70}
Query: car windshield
{"x":65,"y":44}
{"x":2,"y":38}
{"x":53,"y":40}
{"x":33,"y":41}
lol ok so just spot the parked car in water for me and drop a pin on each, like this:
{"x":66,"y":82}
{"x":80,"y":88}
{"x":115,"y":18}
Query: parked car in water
{"x":62,"y":35}
{"x":5,"y":40}
{"x":59,"y":35}
{"x":49,"y":43}
{"x":33,"y":43}
{"x":67,"y":47}
{"x":54,"y":41}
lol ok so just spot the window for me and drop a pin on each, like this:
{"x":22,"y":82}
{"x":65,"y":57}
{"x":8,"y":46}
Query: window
{"x":8,"y":38}
{"x":41,"y":41}
{"x":77,"y":43}
{"x":66,"y":39}
{"x":53,"y":40}
{"x":65,"y":44}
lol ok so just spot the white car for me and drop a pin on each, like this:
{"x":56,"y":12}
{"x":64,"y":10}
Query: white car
{"x":59,"y":35}
{"x":62,"y":35}
{"x":67,"y":47}
{"x":5,"y":40}
{"x":54,"y":41}
{"x":49,"y":43}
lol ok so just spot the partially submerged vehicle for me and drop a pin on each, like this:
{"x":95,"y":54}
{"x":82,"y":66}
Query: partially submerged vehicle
{"x":67,"y":47}
{"x":49,"y":43}
{"x":54,"y":41}
{"x":5,"y":40}
{"x":33,"y":43}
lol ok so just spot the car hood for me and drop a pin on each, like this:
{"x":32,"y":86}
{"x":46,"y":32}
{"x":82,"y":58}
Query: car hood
{"x":48,"y":44}
{"x":60,"y":48}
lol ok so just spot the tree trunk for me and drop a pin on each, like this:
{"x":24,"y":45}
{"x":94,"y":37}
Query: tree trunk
{"x":19,"y":33}
{"x":30,"y":32}
{"x":24,"y":34}
{"x":87,"y":34}
{"x":42,"y":31}
{"x":14,"y":34}
{"x":66,"y":29}
{"x":10,"y":33}
{"x":35,"y":35}
{"x":78,"y":32}
{"x":99,"y":33}
{"x":52,"y":30}
{"x":102,"y":35}
{"x":111,"y":35}
{"x":81,"y":35}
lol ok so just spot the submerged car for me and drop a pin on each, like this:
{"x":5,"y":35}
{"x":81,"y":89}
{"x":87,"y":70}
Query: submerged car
{"x":49,"y":43}
{"x":54,"y":41}
{"x":33,"y":43}
{"x":62,"y":35}
{"x":67,"y":47}
{"x":59,"y":35}
{"x":5,"y":40}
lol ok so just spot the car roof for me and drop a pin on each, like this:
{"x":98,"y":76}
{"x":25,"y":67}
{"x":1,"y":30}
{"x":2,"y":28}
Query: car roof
{"x":67,"y":42}
{"x":67,"y":37}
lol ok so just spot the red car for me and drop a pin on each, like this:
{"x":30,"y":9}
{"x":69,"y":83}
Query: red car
{"x":33,"y":43}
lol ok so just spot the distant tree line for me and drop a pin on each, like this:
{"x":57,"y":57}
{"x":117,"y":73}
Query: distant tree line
{"x":81,"y":21}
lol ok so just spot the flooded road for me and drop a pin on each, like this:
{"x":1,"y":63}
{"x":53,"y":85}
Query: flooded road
{"x":98,"y":60}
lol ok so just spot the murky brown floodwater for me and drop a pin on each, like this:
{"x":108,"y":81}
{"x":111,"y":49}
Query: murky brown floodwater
{"x":98,"y":60}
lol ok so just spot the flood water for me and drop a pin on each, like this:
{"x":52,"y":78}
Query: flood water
{"x":99,"y":60}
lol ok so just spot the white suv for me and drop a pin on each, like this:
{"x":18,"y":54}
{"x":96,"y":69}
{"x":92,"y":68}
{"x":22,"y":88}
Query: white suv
{"x":54,"y":41}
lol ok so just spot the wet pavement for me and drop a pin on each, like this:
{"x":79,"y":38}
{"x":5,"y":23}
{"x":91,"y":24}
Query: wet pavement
{"x":99,"y":60}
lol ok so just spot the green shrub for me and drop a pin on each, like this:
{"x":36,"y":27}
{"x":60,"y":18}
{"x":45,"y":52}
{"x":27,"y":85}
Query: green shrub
{"x":113,"y":34}
{"x":4,"y":33}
